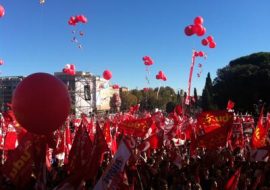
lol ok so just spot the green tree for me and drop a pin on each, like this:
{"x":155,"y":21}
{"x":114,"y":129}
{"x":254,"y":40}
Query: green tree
{"x":127,"y":100}
{"x":246,"y":80}
{"x":207,"y":95}
{"x":170,"y":107}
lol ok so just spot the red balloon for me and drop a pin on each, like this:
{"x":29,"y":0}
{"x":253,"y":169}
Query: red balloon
{"x":41,"y":103}
{"x":72,"y":21}
{"x":210,"y":38}
{"x":201,"y":30}
{"x":64,"y":70}
{"x":1,"y":62}
{"x":115,"y":86}
{"x":107,"y":74}
{"x":198,"y":20}
{"x":189,"y":30}
{"x":158,"y":77}
{"x":201,"y":53}
{"x":71,"y":72}
{"x":212,"y":44}
{"x":81,"y":18}
{"x":72,"y":67}
{"x":164,"y":78}
{"x":148,"y":60}
{"x":2,"y":11}
{"x":204,"y":42}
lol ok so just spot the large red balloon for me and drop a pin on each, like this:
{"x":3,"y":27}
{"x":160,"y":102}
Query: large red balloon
{"x":107,"y":74}
{"x":2,"y":11}
{"x":1,"y":62}
{"x":41,"y":103}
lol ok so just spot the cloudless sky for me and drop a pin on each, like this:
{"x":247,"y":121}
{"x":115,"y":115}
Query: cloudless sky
{"x":37,"y":38}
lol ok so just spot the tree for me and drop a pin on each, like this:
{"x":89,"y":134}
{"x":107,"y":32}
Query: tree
{"x":245,"y":80}
{"x":127,"y":100}
{"x":170,"y":107}
{"x":207,"y":94}
{"x":115,"y":102}
{"x":195,"y":95}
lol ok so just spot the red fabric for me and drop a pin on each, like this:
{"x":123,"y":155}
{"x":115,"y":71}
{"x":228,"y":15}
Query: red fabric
{"x":99,"y":147}
{"x":39,"y":158}
{"x":60,"y":142}
{"x":259,"y":135}
{"x":136,"y":127}
{"x":233,"y":181}
{"x":80,"y":150}
{"x":230,"y":105}
{"x":107,"y":131}
{"x":213,"y":128}
{"x":156,"y":140}
{"x":18,"y":166}
{"x":90,"y":130}
{"x":114,"y":145}
{"x":10,"y":140}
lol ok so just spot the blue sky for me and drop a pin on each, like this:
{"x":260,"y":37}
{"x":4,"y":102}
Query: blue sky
{"x":37,"y":38}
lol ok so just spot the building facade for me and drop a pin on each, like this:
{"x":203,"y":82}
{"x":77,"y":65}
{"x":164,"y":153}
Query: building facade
{"x":88,"y":93}
{"x":81,"y":89}
{"x":7,"y":86}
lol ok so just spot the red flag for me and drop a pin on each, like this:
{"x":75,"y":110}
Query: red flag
{"x":236,"y":135}
{"x":18,"y":167}
{"x":156,"y":140}
{"x":230,"y":105}
{"x":136,"y":127}
{"x":112,"y":177}
{"x":213,"y":128}
{"x":260,"y":134}
{"x":114,"y":145}
{"x":80,"y":150}
{"x":233,"y":181}
{"x":107,"y":131}
{"x":10,"y":140}
{"x":99,"y":147}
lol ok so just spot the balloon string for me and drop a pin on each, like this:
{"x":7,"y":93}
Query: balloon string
{"x":147,"y":77}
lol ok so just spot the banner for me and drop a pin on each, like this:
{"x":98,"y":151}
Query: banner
{"x":212,"y":128}
{"x":111,"y":178}
{"x":19,"y":165}
{"x":138,"y":127}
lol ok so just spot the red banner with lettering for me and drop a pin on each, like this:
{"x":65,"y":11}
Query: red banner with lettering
{"x":19,"y":164}
{"x":212,"y":128}
{"x":138,"y":127}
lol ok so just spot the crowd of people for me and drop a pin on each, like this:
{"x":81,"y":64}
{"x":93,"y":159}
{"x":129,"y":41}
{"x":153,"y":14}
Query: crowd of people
{"x":170,"y":166}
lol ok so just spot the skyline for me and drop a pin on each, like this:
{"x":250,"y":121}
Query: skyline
{"x":37,"y":38}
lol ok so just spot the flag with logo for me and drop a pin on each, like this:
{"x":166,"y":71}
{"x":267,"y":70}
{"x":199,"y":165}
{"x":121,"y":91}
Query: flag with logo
{"x":212,"y":128}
